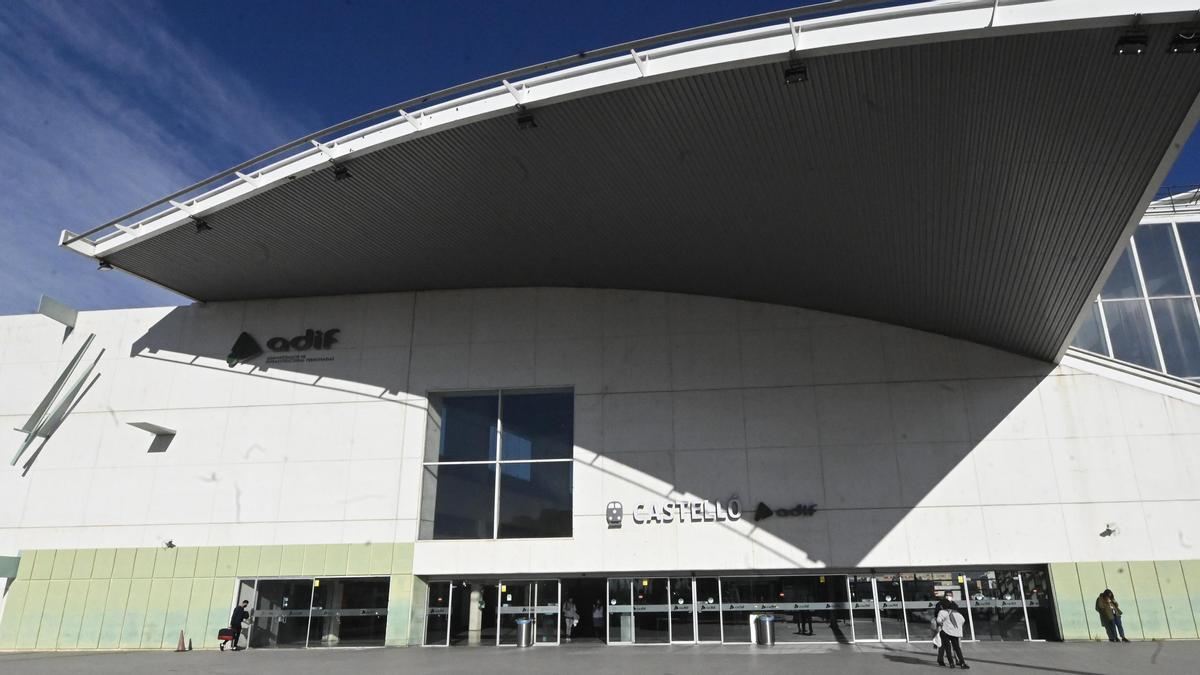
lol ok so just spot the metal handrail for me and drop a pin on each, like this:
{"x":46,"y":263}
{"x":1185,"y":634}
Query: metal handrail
{"x":624,"y":48}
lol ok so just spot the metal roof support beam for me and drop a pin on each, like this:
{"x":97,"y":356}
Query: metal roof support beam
{"x":325,"y":152}
{"x":247,"y":179}
{"x":641,"y":61}
{"x":518,"y":93}
{"x":413,"y":120}
{"x":794,"y":28}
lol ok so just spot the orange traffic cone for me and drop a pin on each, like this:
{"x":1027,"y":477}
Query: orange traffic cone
{"x":182,"y":645}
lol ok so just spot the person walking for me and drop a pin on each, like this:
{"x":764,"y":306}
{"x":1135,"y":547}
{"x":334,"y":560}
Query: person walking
{"x":570,"y":618}
{"x":598,"y":620}
{"x":950,"y":623}
{"x":240,"y":614}
{"x":1110,"y":616}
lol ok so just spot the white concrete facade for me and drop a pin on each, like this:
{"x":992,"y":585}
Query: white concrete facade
{"x":919,"y":450}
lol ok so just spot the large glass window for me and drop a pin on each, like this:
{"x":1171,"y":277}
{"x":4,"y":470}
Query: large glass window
{"x":1091,"y":332}
{"x":498,"y":464}
{"x":1129,"y":330}
{"x":1178,"y":334}
{"x":1123,"y":282}
{"x":1189,"y":241}
{"x":1159,"y":258}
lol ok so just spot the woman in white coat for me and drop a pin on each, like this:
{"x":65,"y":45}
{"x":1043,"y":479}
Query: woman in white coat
{"x":949,"y":623}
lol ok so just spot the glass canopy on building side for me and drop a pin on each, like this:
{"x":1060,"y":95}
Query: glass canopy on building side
{"x":1147,"y":312}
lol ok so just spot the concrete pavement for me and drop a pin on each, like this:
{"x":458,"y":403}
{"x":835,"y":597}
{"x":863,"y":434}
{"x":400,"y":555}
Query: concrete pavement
{"x":1000,"y":658}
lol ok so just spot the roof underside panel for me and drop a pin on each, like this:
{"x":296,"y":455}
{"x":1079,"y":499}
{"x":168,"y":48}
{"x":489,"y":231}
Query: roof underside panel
{"x":974,"y":188}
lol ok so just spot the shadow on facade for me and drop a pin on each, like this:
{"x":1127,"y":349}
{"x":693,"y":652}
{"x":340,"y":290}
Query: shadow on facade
{"x":862,"y":491}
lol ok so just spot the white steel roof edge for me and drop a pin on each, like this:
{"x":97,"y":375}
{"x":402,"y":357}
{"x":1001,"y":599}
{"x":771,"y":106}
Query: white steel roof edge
{"x":941,"y":20}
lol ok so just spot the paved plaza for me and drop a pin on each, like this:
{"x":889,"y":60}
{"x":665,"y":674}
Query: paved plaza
{"x":1049,"y":658}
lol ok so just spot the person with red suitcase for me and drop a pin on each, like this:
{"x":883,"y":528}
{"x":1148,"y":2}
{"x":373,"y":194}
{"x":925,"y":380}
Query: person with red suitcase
{"x":240,"y":614}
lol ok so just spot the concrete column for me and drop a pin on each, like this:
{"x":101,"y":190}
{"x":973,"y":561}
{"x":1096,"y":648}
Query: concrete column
{"x":475,"y":615}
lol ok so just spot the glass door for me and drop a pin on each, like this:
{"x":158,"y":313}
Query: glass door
{"x":863,"y":609}
{"x":437,"y":614}
{"x":922,"y":590}
{"x":349,"y":612}
{"x":546,"y":600}
{"x":890,"y":600}
{"x":620,"y":611}
{"x":1039,"y":608}
{"x":683,"y":615}
{"x":997,"y":612}
{"x":708,"y":609}
{"x":516,"y":602}
{"x":651,"y":611}
{"x":281,"y":613}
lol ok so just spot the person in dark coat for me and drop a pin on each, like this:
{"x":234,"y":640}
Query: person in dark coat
{"x":240,"y":614}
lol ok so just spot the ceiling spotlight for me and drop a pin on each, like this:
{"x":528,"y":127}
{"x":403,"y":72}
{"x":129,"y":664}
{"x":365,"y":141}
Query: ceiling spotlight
{"x":105,"y":266}
{"x":340,"y":172}
{"x":795,"y":72}
{"x":1185,"y":42}
{"x":201,"y":225}
{"x":1131,"y":44}
{"x":525,"y":120}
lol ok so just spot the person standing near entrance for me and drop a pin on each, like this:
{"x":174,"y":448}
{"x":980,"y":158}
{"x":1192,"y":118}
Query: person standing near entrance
{"x":950,"y":623}
{"x":1110,"y":616}
{"x":570,"y":617}
{"x":598,"y":620}
{"x":240,"y":614}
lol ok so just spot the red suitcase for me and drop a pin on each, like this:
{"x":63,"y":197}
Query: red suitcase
{"x":224,"y":635}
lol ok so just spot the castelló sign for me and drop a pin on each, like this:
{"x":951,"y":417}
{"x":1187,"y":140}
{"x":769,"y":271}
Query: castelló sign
{"x":676,"y":512}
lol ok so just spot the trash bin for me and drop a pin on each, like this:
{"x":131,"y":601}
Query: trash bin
{"x":764,"y":632}
{"x":525,"y":633}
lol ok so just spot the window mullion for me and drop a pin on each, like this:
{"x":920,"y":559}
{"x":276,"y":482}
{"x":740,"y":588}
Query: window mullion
{"x":499,"y":451}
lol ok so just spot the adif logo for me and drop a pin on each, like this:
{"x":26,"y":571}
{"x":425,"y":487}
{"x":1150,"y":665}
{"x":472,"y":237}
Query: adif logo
{"x":614,"y":514}
{"x":246,"y":347}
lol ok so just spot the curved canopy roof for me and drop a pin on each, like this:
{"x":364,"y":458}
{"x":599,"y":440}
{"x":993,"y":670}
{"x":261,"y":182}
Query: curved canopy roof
{"x":967,"y":168}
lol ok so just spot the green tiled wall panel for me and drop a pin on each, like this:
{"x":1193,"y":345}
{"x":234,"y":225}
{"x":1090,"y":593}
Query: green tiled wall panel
{"x":206,"y":562}
{"x":335,"y":559}
{"x":268,"y":561}
{"x":220,"y":605}
{"x":102,"y":566}
{"x":248,"y":556}
{"x":135,"y":614}
{"x":1191,"y":577}
{"x":25,"y":568}
{"x":402,"y":558}
{"x":381,"y":559}
{"x":156,"y":614}
{"x":143,"y":563}
{"x":197,"y":615}
{"x":314,"y":560}
{"x":1151,"y":612}
{"x":185,"y":562}
{"x":123,"y":563}
{"x":43,"y":564}
{"x":64,"y":562}
{"x":1180,"y":620}
{"x":31,"y":616}
{"x":399,"y":610}
{"x":93,"y":614}
{"x":291,"y":561}
{"x":14,"y":610}
{"x":358,"y":558}
{"x":164,"y":562}
{"x":227,"y":561}
{"x":1072,"y":618}
{"x":177,"y":612}
{"x":52,"y":612}
{"x":72,"y":615}
{"x":1091,"y":583}
{"x":85,"y":559}
{"x":114,"y":612}
{"x":1118,"y":579}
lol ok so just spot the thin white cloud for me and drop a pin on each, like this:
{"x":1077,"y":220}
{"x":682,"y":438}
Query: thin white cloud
{"x":105,"y":107}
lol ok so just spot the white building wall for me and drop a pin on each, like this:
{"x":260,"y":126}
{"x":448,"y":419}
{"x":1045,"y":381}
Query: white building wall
{"x":918,"y":449}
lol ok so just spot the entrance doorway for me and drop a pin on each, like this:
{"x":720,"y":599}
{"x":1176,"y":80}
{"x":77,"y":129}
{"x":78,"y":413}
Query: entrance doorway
{"x":587,"y":594}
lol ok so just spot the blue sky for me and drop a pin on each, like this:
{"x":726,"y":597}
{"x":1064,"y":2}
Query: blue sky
{"x":107,"y":106}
